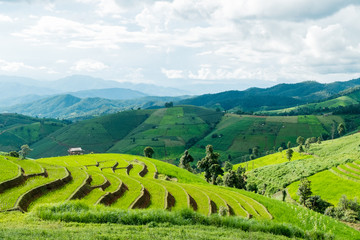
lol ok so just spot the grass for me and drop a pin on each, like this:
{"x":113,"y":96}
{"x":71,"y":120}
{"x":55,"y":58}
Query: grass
{"x":22,"y":226}
{"x":63,"y":193}
{"x":9,"y":170}
{"x":271,"y":159}
{"x":325,"y":156}
{"x":200,"y":198}
{"x":323,"y":183}
{"x":134,"y":187}
{"x":76,"y":212}
{"x":10,"y":196}
{"x":29,"y":166}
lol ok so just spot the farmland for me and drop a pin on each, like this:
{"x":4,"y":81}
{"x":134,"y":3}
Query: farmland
{"x":124,"y":182}
{"x":170,"y":131}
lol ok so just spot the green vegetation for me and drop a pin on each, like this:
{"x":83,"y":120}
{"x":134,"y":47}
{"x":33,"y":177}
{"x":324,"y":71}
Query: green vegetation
{"x":17,"y":130}
{"x":9,"y":170}
{"x":180,"y":183}
{"x":273,"y":178}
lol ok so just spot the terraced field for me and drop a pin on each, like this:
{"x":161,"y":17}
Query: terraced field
{"x":122,"y":181}
{"x":333,"y":183}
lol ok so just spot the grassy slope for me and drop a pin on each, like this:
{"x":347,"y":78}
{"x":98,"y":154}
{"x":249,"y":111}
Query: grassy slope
{"x":343,"y":101}
{"x":94,"y":135}
{"x":23,"y":226}
{"x":239,"y":134}
{"x":281,"y":212}
{"x":17,"y":130}
{"x":272,"y":159}
{"x":325,"y":156}
{"x":168,"y":130}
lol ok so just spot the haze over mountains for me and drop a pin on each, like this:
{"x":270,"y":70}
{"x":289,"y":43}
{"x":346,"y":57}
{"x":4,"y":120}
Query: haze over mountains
{"x":81,"y":97}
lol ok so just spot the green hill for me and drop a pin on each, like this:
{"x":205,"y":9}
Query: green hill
{"x":347,"y":98}
{"x":170,"y":131}
{"x":134,"y":182}
{"x":17,"y":130}
{"x":236,"y":135}
{"x":329,"y":164}
{"x":75,"y":108}
{"x":276,"y":97}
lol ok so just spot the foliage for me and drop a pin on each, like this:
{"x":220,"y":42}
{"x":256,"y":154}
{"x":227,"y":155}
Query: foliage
{"x":210,"y":164}
{"x":317,"y":204}
{"x":148,"y":152}
{"x":25,"y":150}
{"x":346,"y":210}
{"x":228,"y":166}
{"x":341,"y":129}
{"x":289,"y":153}
{"x":304,"y":190}
{"x":300,"y":140}
{"x":185,"y":161}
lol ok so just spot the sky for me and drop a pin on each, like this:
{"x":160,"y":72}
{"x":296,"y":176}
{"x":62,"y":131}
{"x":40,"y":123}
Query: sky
{"x":209,"y":44}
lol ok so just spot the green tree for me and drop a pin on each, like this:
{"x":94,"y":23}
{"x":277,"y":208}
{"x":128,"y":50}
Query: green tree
{"x":280,"y":149}
{"x":228,"y":166}
{"x":300,"y":140}
{"x":341,"y":129}
{"x":211,"y":158}
{"x":148,"y":152}
{"x":25,"y":150}
{"x":304,"y":191}
{"x":288,"y":144}
{"x":307,"y":143}
{"x":289,"y":154}
{"x":301,"y":149}
{"x":319,"y":140}
{"x":185,"y":161}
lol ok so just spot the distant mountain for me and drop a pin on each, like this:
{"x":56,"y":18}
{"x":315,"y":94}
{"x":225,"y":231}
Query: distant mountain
{"x":110,"y":93}
{"x":349,"y":97}
{"x":276,"y":97}
{"x":74,"y":108}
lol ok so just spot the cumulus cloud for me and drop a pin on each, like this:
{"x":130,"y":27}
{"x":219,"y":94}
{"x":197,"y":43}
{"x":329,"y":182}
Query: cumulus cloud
{"x":171,"y":73}
{"x":88,"y":65}
{"x":4,"y":18}
{"x":13,"y":66}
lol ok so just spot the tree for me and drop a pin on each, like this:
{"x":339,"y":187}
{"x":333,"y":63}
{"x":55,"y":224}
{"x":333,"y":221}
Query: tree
{"x":206,"y":164}
{"x":301,"y":149}
{"x":307,"y":143}
{"x":341,"y":129}
{"x":14,"y":154}
{"x":169,"y":104}
{"x":288,"y":144}
{"x":300,"y":140}
{"x":304,"y":191}
{"x":185,"y":161}
{"x":280,"y":149}
{"x":25,"y":150}
{"x":148,"y":152}
{"x":235,"y":179}
{"x":289,"y":154}
{"x":228,"y":166}
{"x":319,"y":140}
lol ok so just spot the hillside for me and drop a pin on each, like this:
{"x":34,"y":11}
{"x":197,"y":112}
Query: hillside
{"x":134,"y":182}
{"x":168,"y":130}
{"x":17,"y":130}
{"x":78,"y":108}
{"x":236,"y":135}
{"x":333,"y":162}
{"x":344,"y":99}
{"x":276,"y":97}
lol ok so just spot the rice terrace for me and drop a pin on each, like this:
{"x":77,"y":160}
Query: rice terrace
{"x":179,"y":120}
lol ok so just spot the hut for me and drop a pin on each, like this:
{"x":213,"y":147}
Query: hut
{"x":76,"y":151}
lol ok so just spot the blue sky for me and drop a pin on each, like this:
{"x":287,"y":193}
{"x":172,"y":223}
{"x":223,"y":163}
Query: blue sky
{"x":224,"y":44}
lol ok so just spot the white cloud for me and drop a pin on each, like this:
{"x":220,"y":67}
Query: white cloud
{"x":13,"y":66}
{"x":4,"y":18}
{"x":170,"y":73}
{"x":88,"y":65}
